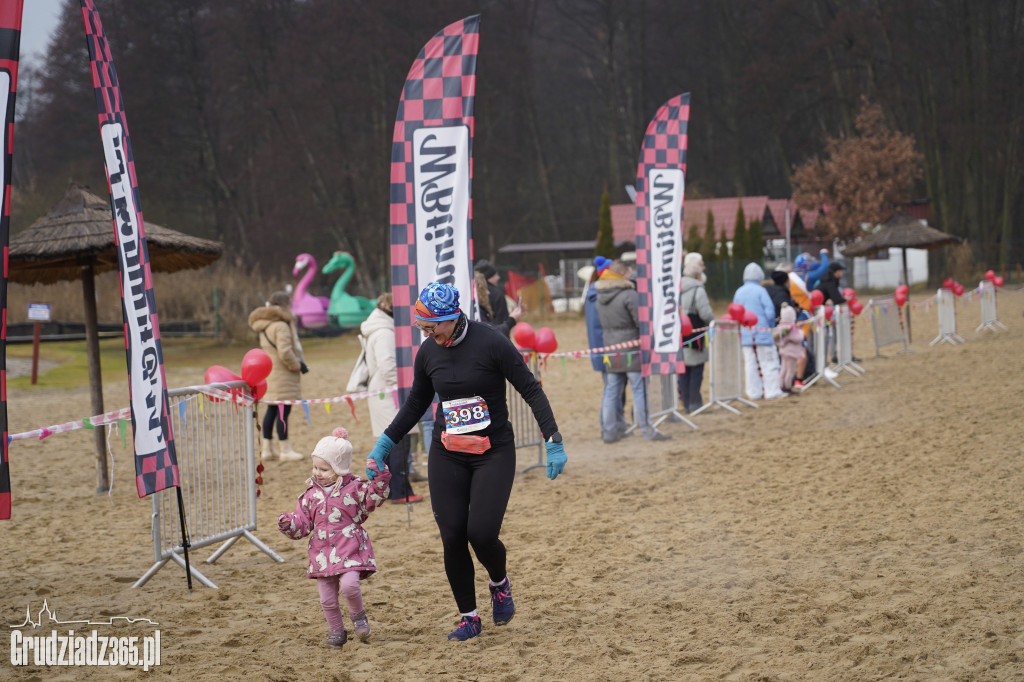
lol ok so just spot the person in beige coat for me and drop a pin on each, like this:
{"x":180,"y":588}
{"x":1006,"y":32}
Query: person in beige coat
{"x":378,"y":330}
{"x":275,"y":325}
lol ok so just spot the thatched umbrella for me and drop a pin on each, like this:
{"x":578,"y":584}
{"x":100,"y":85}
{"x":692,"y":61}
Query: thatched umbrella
{"x":901,"y":232}
{"x":75,"y":240}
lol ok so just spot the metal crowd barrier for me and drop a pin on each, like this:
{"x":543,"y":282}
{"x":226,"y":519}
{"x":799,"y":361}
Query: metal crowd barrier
{"x":217,"y":472}
{"x":887,"y":324}
{"x":819,"y":344}
{"x":987,"y":296}
{"x":842,"y":319}
{"x":524,"y":424}
{"x":946,"y":301}
{"x":725,"y":367}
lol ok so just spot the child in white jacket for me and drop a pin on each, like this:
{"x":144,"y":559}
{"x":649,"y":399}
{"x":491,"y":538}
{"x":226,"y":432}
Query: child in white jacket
{"x":790,"y":341}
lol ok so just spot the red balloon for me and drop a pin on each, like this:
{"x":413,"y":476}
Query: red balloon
{"x":727,"y":318}
{"x":901,"y":299}
{"x":687,"y":325}
{"x":947,"y":283}
{"x":904,"y":289}
{"x":256,"y":366}
{"x":990,"y":275}
{"x":958,"y":288}
{"x":998,"y":281}
{"x":259,"y":390}
{"x":524,"y":336}
{"x":736,"y":311}
{"x":856,"y":307}
{"x":750,"y":319}
{"x":216,"y":374}
{"x":546,"y":342}
{"x":828,"y":312}
{"x":817,"y":298}
{"x":849,"y":294}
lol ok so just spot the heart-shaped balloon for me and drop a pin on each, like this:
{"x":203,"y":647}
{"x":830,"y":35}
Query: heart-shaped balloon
{"x":990,"y":275}
{"x":998,"y":281}
{"x":828,"y":313}
{"x":849,"y":294}
{"x":216,"y":374}
{"x":545,"y":340}
{"x":256,"y":366}
{"x":817,"y":298}
{"x":736,"y":311}
{"x":947,"y":283}
{"x":687,"y":325}
{"x":750,"y":319}
{"x":856,"y":307}
{"x":524,"y":336}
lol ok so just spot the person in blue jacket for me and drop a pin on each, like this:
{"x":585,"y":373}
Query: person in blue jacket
{"x":595,"y":339}
{"x":760,"y":358}
{"x":811,"y":270}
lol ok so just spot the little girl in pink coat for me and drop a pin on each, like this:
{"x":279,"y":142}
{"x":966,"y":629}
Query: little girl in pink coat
{"x":790,"y":340}
{"x":331,"y":511}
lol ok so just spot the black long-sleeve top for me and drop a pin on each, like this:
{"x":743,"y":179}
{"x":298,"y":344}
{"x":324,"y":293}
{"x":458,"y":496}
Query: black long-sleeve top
{"x":478,"y":366}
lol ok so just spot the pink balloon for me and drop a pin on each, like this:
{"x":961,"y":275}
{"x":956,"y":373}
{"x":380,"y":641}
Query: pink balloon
{"x":817,"y":298}
{"x":901,"y":298}
{"x":750,"y":319}
{"x":687,"y":325}
{"x":849,"y":294}
{"x":216,"y":374}
{"x":736,"y":311}
{"x":546,"y":342}
{"x":256,"y":366}
{"x":998,"y":281}
{"x":259,"y":390}
{"x":524,"y":336}
{"x":856,"y":307}
{"x":990,"y":275}
{"x":828,"y":312}
{"x":904,"y":289}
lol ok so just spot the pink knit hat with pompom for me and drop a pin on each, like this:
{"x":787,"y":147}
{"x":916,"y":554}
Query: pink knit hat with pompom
{"x":335,"y":450}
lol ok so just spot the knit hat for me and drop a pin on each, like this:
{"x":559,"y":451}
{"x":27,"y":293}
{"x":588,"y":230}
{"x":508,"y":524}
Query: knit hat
{"x":484,"y":266}
{"x":753,"y":273}
{"x":780,"y":277}
{"x":836,"y":266}
{"x":802,"y":263}
{"x":437,"y":302}
{"x":601,"y":264}
{"x":693,"y":258}
{"x":787,"y":314}
{"x":335,"y":450}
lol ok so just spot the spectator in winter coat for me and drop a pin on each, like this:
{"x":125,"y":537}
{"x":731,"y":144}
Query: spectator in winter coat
{"x":595,"y":339}
{"x":809,"y":270}
{"x":778,"y":290}
{"x":496,"y":312}
{"x":617,"y":309}
{"x":831,"y":289}
{"x":693,"y":298}
{"x":760,"y":359}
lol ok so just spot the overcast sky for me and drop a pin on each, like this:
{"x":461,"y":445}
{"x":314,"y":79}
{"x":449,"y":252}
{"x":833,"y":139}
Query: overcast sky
{"x":38,"y":20}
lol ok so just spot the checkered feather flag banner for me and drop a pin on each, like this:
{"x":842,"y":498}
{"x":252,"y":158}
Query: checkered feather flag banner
{"x":156,"y":465}
{"x":431,"y":179}
{"x":10,"y":46}
{"x":660,"y":184}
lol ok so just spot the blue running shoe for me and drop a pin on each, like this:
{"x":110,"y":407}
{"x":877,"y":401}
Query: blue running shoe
{"x":502,"y":606}
{"x":469,"y":627}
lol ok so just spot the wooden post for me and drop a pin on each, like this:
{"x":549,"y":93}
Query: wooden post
{"x":92,"y":345}
{"x":37,"y":329}
{"x":906,"y":280}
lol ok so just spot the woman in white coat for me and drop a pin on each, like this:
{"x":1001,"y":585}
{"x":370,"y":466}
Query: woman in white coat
{"x":378,"y":331}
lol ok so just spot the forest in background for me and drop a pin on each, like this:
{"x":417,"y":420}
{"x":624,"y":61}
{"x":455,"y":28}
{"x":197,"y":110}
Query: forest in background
{"x":267,"y":124}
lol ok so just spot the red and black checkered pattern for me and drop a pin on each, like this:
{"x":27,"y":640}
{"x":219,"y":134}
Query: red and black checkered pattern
{"x":158,"y":470}
{"x":664,"y":146}
{"x":439,"y":91}
{"x":10,"y":46}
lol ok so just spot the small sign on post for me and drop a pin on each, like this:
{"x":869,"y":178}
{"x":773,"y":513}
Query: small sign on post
{"x":39,"y":313}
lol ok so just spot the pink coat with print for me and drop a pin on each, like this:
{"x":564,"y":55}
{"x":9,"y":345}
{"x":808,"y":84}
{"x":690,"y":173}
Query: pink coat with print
{"x":333,"y":518}
{"x":791,"y":341}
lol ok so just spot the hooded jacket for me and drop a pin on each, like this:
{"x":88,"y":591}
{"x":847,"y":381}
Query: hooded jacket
{"x":617,"y":306}
{"x":279,"y":339}
{"x":694,"y":298}
{"x":595,"y":335}
{"x":829,"y":285}
{"x":754,"y":298}
{"x":378,"y":330}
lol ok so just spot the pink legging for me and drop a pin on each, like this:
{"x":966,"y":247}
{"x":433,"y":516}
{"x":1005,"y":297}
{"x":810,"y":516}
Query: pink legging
{"x":348,"y":584}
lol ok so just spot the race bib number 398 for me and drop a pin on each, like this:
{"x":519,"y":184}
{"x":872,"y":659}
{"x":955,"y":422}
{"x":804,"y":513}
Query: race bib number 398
{"x":466,"y":415}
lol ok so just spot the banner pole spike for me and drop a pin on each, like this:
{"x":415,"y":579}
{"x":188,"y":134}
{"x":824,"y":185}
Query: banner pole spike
{"x":184,"y":538}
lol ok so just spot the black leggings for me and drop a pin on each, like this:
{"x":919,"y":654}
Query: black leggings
{"x":273,"y":412}
{"x":469,"y":494}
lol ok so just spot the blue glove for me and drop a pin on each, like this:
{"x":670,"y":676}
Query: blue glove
{"x":379,"y":453}
{"x":556,"y":459}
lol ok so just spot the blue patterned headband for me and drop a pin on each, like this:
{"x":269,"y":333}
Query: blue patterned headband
{"x":439,"y":302}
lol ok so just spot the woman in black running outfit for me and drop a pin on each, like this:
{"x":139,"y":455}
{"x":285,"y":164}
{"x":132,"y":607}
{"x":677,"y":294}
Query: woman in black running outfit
{"x":472,"y":458}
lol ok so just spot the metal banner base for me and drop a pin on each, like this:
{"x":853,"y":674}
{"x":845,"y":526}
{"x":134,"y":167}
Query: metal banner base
{"x":952,"y":338}
{"x":992,"y":326}
{"x":173,"y":555}
{"x":823,"y":375}
{"x":725,"y":403}
{"x":668,"y":404}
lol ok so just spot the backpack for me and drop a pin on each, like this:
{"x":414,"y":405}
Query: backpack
{"x":359,"y":380}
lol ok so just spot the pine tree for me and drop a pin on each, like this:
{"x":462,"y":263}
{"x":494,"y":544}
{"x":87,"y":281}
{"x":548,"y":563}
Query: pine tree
{"x":693,"y":240}
{"x":740,"y":246}
{"x":605,"y":245}
{"x":755,"y":241}
{"x":709,"y":243}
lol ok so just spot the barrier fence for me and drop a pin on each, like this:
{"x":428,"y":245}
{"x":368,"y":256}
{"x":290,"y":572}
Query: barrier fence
{"x":887,"y":324}
{"x":819,"y":342}
{"x":842,"y":321}
{"x":216,"y":467}
{"x":945,"y":300}
{"x":987,"y":296}
{"x":524,"y":424}
{"x":725,"y":367}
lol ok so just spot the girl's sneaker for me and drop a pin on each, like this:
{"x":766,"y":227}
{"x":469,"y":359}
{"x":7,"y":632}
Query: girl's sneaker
{"x":337,"y":638}
{"x":469,"y":627}
{"x":502,"y":606}
{"x":362,"y":624}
